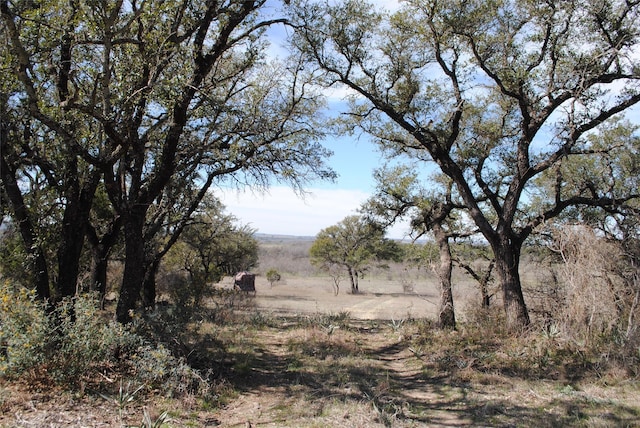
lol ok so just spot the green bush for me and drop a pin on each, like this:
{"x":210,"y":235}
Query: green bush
{"x":25,"y":333}
{"x":74,"y":345}
{"x":157,"y":368}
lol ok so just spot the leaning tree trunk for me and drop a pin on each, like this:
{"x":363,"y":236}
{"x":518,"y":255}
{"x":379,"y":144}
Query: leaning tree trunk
{"x":446,"y":317}
{"x":507,"y":257}
{"x":134,"y":266}
{"x":484,"y":285}
{"x":25,"y":226}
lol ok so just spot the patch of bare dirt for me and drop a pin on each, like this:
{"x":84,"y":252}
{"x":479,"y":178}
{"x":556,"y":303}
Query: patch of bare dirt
{"x":379,"y":383}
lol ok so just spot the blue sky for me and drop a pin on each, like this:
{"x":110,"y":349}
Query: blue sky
{"x":280,"y":211}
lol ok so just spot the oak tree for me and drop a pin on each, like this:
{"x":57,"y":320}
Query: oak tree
{"x":495,"y":93}
{"x":352,"y":245}
{"x":139,"y":97}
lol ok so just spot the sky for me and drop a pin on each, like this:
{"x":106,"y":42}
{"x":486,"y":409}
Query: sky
{"x":279,"y":211}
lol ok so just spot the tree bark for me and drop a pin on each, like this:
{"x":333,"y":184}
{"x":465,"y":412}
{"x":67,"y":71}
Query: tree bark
{"x":100,"y":250}
{"x":74,"y":226}
{"x":25,"y":225}
{"x":149,"y":285}
{"x":99,"y":265}
{"x":134,"y":266}
{"x":507,"y":258}
{"x":354,"y":289}
{"x":446,"y":317}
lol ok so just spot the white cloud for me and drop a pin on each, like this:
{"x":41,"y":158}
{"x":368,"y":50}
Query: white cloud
{"x":281,"y":212}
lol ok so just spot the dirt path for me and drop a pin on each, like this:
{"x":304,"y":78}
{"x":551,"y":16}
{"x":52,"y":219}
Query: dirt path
{"x":385,"y":387}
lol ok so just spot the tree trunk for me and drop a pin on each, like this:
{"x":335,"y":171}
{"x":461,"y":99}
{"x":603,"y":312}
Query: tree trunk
{"x":74,"y":225}
{"x":446,"y":317}
{"x":100,"y":250}
{"x":507,"y":258}
{"x":486,"y":298}
{"x":149,"y":285}
{"x":134,"y":271}
{"x":99,"y":265}
{"x":69,"y":252}
{"x":354,"y":289}
{"x":25,"y":226}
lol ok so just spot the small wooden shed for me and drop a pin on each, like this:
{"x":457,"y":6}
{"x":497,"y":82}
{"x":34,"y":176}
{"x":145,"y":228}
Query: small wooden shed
{"x":245,"y":281}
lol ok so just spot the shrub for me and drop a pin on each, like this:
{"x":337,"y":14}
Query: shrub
{"x":187,"y":293}
{"x":24,"y":337}
{"x":157,"y":368}
{"x":74,"y":345}
{"x":273,"y":276}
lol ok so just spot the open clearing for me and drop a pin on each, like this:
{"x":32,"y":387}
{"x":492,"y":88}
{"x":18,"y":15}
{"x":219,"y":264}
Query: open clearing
{"x":315,"y":295}
{"x":378,"y":299}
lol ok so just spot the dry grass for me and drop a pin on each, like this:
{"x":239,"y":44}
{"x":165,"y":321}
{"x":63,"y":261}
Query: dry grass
{"x":320,"y":370}
{"x":298,"y":356}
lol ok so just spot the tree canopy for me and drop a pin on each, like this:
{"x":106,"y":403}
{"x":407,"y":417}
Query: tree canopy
{"x":352,"y":245}
{"x":142,"y":100}
{"x":495,"y":93}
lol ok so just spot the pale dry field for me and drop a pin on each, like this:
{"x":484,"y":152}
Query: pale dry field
{"x":379,"y":298}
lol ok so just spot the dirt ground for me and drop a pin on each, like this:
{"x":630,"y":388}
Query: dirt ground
{"x":313,"y":371}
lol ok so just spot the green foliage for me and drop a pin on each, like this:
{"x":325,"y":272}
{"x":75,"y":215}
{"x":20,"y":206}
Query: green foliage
{"x":150,"y":422}
{"x":213,"y":245}
{"x":157,"y":368}
{"x":67,"y":344}
{"x":613,"y":173}
{"x":418,"y":254}
{"x":74,"y":345}
{"x":352,"y":244}
{"x":187,"y":294}
{"x":13,"y":258}
{"x":82,"y":340}
{"x":124,"y":397}
{"x":25,"y":335}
